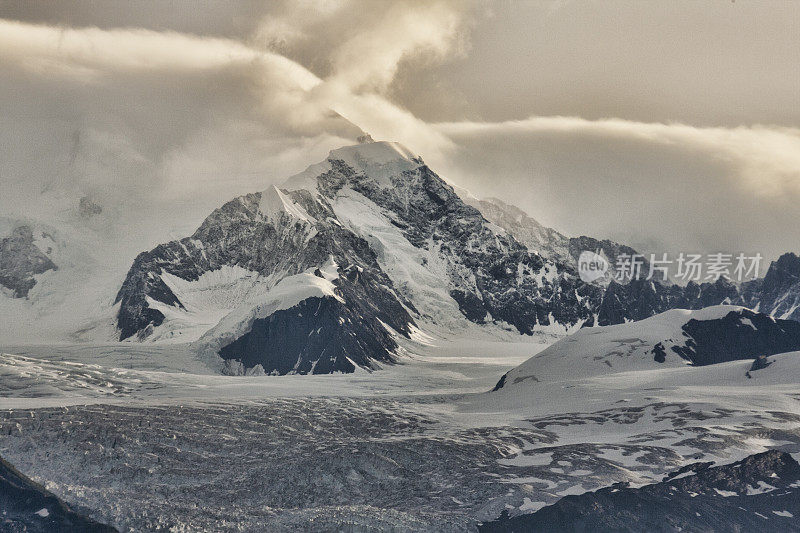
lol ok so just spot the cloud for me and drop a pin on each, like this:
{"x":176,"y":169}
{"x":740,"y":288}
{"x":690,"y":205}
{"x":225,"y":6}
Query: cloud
{"x":370,"y":58}
{"x":360,"y":45}
{"x":167,"y":125}
{"x":161,"y":127}
{"x":765,"y":159}
{"x":671,"y":187}
{"x":158,"y":127}
{"x":116,"y":110}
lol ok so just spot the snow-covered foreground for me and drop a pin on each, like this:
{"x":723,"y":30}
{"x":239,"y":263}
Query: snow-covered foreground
{"x":417,"y":446}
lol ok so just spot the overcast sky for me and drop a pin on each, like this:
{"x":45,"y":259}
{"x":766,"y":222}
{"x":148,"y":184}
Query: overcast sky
{"x":668,"y":125}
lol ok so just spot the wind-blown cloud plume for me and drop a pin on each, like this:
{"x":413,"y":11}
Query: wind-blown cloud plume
{"x":660,"y":186}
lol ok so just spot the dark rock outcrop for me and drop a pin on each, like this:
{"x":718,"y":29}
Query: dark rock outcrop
{"x":738,"y":335}
{"x":325,"y":335}
{"x":20,"y":261}
{"x":87,"y":208}
{"x":641,"y":298}
{"x":778,"y":292}
{"x":26,"y":506}
{"x":759,"y":493}
{"x":318,"y":336}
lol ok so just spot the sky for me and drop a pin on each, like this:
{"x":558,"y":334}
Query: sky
{"x":671,"y":126}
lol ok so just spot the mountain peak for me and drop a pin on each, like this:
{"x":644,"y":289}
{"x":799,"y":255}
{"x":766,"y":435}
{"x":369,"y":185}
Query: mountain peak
{"x":367,"y":154}
{"x":378,"y":159}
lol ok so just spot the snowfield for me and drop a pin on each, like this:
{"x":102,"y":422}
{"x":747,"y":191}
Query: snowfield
{"x":614,"y":349}
{"x":418,"y":446}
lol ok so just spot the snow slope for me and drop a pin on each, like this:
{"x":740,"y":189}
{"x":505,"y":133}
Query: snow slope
{"x":654,"y":343}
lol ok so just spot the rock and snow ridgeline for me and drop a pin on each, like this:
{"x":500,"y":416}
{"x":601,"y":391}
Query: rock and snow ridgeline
{"x":673,"y":339}
{"x":407,"y":248}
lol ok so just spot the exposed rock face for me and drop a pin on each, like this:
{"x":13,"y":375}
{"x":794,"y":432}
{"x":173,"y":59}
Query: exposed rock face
{"x":25,"y":506}
{"x":311,"y":338}
{"x":88,"y":208}
{"x":642,"y":298}
{"x":759,"y":493}
{"x":549,"y":243}
{"x":20,"y":261}
{"x":527,"y":230}
{"x":610,"y":249}
{"x":778,"y":293}
{"x":738,"y":335}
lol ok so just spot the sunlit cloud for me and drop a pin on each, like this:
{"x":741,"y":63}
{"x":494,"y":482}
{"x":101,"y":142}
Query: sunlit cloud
{"x":765,"y":159}
{"x":142,"y":118}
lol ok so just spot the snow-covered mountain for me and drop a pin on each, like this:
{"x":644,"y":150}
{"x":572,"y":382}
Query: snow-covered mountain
{"x":356,"y":250}
{"x":322,"y":273}
{"x":328,"y":267}
{"x":672,"y":339}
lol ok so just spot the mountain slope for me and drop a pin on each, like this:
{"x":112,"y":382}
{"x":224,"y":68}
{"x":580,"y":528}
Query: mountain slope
{"x":777,"y":294}
{"x":548,"y":242}
{"x":527,"y":230}
{"x":672,"y":339}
